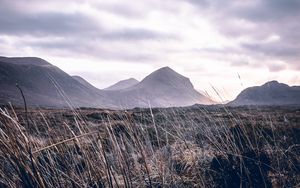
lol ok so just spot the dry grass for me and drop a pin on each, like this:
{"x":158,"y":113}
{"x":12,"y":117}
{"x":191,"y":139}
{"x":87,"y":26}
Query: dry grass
{"x":175,"y":147}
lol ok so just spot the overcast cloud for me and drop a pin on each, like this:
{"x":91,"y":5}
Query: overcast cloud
{"x":209,"y":41}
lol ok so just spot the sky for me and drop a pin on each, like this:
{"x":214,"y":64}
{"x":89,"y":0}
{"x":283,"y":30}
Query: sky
{"x":222,"y":46}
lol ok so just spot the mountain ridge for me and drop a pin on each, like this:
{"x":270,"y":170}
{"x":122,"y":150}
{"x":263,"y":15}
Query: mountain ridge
{"x":162,"y":88}
{"x":270,"y":93}
{"x":42,"y":85}
{"x":123,"y":84}
{"x":85,"y":83}
{"x":47,"y":85}
{"x":25,"y":60}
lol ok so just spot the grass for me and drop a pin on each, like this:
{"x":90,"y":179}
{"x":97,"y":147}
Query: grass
{"x":175,"y":147}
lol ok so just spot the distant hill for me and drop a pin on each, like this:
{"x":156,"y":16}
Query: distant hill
{"x":123,"y":84}
{"x":45,"y":85}
{"x":270,"y":93}
{"x":162,"y":88}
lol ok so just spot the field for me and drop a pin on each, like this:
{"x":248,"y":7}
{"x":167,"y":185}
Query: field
{"x":198,"y":146}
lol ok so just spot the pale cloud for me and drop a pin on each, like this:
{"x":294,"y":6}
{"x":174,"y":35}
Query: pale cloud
{"x":208,"y":41}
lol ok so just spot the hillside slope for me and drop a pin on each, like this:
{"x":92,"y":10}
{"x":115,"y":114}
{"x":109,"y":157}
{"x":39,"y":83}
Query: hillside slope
{"x":162,"y":88}
{"x":43,"y":85}
{"x":123,"y":84}
{"x":270,"y":93}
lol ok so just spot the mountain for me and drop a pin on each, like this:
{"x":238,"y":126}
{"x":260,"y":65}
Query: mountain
{"x":162,"y":88}
{"x":270,"y":93}
{"x":25,"y":61}
{"x":85,"y":83}
{"x":43,"y":85}
{"x":123,"y":84}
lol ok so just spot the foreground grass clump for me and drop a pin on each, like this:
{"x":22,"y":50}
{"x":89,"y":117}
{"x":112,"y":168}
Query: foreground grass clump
{"x":174,"y":147}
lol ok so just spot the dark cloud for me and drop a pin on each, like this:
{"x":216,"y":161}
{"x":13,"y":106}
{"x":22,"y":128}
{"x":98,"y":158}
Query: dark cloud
{"x":47,"y":24}
{"x":256,"y":10}
{"x":279,"y":49}
{"x":199,"y":3}
{"x":16,"y":22}
{"x":136,"y":34}
{"x":269,"y":10}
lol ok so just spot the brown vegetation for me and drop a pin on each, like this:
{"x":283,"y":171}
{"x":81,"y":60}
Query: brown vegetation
{"x":174,"y":147}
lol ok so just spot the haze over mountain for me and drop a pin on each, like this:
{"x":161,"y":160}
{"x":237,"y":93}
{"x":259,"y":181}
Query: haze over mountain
{"x":270,"y":93}
{"x":47,"y":86}
{"x":123,"y":84}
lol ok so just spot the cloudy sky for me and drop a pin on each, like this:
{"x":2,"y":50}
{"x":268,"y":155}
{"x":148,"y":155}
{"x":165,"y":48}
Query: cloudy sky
{"x":226,"y":45}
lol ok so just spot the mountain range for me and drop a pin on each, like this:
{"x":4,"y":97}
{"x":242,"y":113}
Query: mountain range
{"x":46,"y":85}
